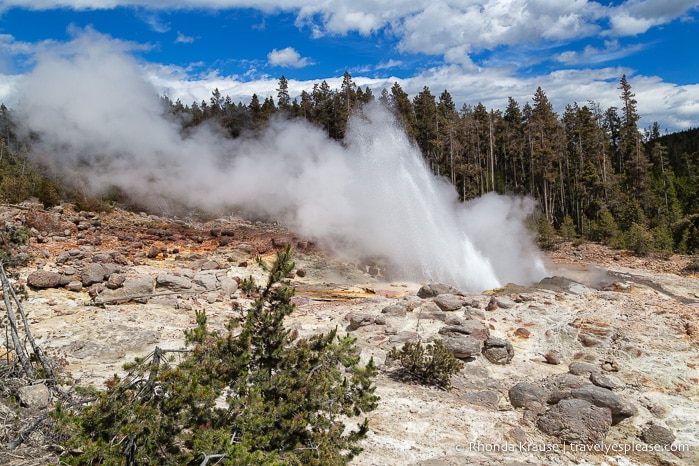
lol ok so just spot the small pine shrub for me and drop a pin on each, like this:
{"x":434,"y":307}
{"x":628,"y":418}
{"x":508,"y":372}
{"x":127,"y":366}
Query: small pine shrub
{"x":639,"y":239}
{"x":568,"y":230}
{"x":248,"y":286}
{"x":431,"y":364}
{"x":546,"y":234}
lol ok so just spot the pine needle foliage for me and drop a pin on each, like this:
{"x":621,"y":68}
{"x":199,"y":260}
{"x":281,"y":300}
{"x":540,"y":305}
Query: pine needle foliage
{"x":431,"y":364}
{"x":254,"y":394}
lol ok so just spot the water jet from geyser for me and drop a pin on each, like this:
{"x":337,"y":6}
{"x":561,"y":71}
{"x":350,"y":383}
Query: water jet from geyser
{"x":98,"y":120}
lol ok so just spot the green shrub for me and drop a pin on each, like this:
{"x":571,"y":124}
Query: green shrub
{"x":431,"y":364}
{"x":639,"y":239}
{"x":568,"y":230}
{"x":286,"y":400}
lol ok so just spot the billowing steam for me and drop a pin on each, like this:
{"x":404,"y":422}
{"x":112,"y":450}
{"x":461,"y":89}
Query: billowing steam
{"x":100,"y":121}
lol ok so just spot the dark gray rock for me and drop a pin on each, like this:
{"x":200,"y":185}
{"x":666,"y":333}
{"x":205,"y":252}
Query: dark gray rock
{"x":449,"y":302}
{"x":561,"y":386}
{"x":582,"y":368}
{"x":576,"y":421}
{"x":654,"y":434}
{"x":74,"y":286}
{"x":93,"y":273}
{"x":526,"y":395}
{"x":357,"y":319}
{"x":433,"y":289}
{"x":463,"y":346}
{"x":395,"y":310}
{"x":115,"y":281}
{"x":44,"y":279}
{"x":604,"y":398}
{"x":498,"y":350}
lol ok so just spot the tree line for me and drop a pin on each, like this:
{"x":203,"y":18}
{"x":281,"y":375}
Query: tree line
{"x":596,"y":174}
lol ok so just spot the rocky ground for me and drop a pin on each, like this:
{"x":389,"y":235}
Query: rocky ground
{"x":602,"y":353}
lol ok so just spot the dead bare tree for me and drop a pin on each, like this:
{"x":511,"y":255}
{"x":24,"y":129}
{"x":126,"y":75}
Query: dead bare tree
{"x":11,"y":302}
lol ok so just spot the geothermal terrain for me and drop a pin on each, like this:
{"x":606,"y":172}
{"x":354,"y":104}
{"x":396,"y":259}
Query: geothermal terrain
{"x":603,"y":351}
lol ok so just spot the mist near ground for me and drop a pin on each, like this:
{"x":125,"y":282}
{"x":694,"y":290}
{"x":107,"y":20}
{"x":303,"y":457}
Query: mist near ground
{"x":98,"y":124}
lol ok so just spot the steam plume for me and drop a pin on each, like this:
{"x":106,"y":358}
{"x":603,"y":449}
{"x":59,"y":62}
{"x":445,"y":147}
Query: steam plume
{"x":373,"y":196}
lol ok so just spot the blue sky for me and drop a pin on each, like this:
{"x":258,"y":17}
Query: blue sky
{"x":481,"y":51}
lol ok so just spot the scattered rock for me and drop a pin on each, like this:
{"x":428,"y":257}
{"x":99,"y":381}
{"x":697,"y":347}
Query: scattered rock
{"x":34,"y":396}
{"x":448,"y":302}
{"x":603,"y":397}
{"x":654,"y":434}
{"x":173,"y":282}
{"x":44,"y":279}
{"x":522,"y":332}
{"x":115,"y":281}
{"x":93,"y":273}
{"x":552,"y":358}
{"x":228,"y":285}
{"x":432,"y":290}
{"x":526,"y":395}
{"x":74,"y":286}
{"x":153,"y":252}
{"x":504,"y":302}
{"x":492,"y":305}
{"x":581,"y":368}
{"x":498,"y":350}
{"x":357,"y":320}
{"x":462,"y":347}
{"x":608,"y":381}
{"x":576,"y":421}
{"x":395,"y":310}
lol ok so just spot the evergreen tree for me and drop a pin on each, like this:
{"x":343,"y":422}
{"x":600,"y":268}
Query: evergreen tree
{"x":287,"y":398}
{"x":425,"y":109}
{"x":283,"y":98}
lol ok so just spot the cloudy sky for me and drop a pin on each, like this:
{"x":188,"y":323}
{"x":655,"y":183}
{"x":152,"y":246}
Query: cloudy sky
{"x":479,"y":50}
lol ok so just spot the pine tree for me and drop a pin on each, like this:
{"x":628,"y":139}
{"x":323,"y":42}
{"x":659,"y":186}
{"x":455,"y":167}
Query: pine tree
{"x":283,"y":98}
{"x":287,"y":398}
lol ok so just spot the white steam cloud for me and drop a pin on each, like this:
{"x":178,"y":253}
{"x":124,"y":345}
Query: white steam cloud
{"x":371,"y":197}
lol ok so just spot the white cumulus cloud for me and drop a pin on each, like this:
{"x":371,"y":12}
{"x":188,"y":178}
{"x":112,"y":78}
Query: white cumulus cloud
{"x":287,"y":58}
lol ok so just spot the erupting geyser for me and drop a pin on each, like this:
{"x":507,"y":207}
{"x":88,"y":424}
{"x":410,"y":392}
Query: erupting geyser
{"x":99,"y":120}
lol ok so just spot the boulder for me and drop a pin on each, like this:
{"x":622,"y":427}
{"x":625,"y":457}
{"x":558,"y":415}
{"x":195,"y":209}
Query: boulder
{"x":228,"y":285}
{"x":206,"y":280}
{"x":448,"y":302}
{"x":463,"y":346}
{"x":498,"y":350}
{"x":582,"y":368}
{"x":654,"y":434}
{"x":357,"y":319}
{"x":34,"y":396}
{"x":526,"y":395}
{"x":173,"y":282}
{"x":93,"y":273}
{"x":44,"y":279}
{"x":576,"y":421}
{"x":599,"y":396}
{"x":74,"y":285}
{"x":396,"y":310}
{"x":433,"y":289}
